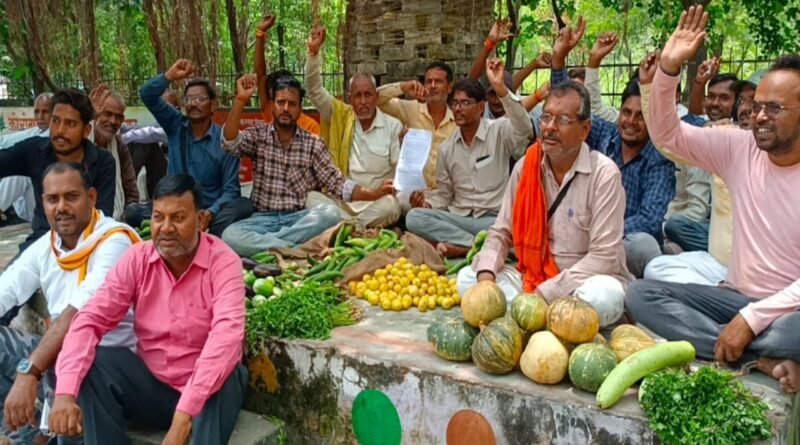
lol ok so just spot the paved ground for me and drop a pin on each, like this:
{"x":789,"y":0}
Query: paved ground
{"x":10,"y":238}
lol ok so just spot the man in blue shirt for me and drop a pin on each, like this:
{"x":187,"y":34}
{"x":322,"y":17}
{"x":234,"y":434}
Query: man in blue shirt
{"x":648,"y":177}
{"x":195,"y":148}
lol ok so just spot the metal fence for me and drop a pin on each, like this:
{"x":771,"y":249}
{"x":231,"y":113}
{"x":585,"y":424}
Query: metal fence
{"x":613,"y":77}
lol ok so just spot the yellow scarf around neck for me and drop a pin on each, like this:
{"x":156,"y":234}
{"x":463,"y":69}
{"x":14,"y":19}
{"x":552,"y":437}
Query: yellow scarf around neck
{"x":79,"y":259}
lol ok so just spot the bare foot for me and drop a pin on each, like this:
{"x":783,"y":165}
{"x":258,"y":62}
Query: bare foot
{"x":452,"y":250}
{"x":787,"y":372}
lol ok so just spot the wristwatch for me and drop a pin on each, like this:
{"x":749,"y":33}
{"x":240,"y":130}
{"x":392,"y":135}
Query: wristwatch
{"x":26,"y":366}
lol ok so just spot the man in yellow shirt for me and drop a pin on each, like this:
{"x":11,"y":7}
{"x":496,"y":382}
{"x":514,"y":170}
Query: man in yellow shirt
{"x":428,"y":112}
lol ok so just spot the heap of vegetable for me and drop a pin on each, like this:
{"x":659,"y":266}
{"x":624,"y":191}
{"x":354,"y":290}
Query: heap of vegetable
{"x":477,"y":245}
{"x":707,"y":407}
{"x":144,"y":230}
{"x":267,"y":281}
{"x":348,"y":251}
{"x":309,"y":310}
{"x":401,"y":285}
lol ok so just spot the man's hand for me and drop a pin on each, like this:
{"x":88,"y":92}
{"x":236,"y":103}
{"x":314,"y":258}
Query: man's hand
{"x":19,"y":408}
{"x":543,"y":60}
{"x":414,"y":89}
{"x":266,"y":22}
{"x":315,"y":40}
{"x":180,"y":429}
{"x":495,"y":74}
{"x":647,"y":68}
{"x":733,"y":340}
{"x":417,"y":199}
{"x":65,"y":417}
{"x":602,"y":47}
{"x":387,"y":188}
{"x":181,"y":69}
{"x":685,"y":41}
{"x":708,"y":69}
{"x":568,"y":39}
{"x":245,"y":87}
{"x":98,"y":96}
{"x":500,"y":31}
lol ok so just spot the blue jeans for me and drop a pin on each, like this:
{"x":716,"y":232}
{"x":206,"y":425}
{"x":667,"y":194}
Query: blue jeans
{"x":267,"y":230}
{"x":690,"y":235}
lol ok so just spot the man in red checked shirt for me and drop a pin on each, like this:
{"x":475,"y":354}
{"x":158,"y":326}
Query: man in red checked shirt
{"x":187,"y":292}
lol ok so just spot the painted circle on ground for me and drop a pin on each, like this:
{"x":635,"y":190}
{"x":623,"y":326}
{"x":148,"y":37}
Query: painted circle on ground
{"x":375,"y":419}
{"x":468,"y":427}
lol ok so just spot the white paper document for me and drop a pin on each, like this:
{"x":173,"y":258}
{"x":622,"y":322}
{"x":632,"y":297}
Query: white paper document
{"x":413,"y":156}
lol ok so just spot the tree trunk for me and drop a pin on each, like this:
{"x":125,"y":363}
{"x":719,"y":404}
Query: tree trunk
{"x":90,"y":49}
{"x":239,"y":50}
{"x":155,"y":38}
{"x":213,"y":49}
{"x":511,"y":44}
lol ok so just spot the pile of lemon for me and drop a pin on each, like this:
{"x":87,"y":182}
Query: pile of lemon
{"x":401,"y":285}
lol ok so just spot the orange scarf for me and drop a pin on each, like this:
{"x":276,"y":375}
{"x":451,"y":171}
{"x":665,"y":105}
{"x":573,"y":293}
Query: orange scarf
{"x":79,"y":259}
{"x":529,"y":225}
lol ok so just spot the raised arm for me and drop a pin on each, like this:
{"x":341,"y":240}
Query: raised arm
{"x":151,"y":93}
{"x":498,"y":33}
{"x":603,"y":46}
{"x":708,"y":69}
{"x":319,"y":96}
{"x":567,"y":39}
{"x":543,"y":60}
{"x":400,"y":109}
{"x":261,"y":67}
{"x":517,"y":127}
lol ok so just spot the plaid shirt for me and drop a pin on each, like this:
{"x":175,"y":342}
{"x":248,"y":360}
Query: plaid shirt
{"x":648,"y":179}
{"x":282,"y":177}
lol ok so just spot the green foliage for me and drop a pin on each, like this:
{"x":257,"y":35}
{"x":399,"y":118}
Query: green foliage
{"x":704,"y":408}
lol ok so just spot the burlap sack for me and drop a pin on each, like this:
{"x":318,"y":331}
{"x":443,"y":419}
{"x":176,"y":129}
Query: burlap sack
{"x":417,"y":250}
{"x":319,"y":247}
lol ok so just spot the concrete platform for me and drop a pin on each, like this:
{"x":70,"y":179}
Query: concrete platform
{"x":312,"y":384}
{"x":251,"y":429}
{"x":10,"y":238}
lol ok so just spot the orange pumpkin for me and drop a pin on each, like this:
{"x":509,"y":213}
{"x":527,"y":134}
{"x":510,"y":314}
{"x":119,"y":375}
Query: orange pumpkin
{"x":573,"y":320}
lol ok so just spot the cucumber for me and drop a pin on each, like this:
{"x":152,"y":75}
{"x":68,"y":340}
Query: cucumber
{"x":326,"y":276}
{"x":641,"y":364}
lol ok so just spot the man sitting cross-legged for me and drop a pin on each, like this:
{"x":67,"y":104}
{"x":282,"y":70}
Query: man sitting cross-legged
{"x":563,"y":213}
{"x":69,"y":265}
{"x":472,"y":167}
{"x":188,"y":308}
{"x":289,"y":163}
{"x":364,"y":142}
{"x":753,"y":313}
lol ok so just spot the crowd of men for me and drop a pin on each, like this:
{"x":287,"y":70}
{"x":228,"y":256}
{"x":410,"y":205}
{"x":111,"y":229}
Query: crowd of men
{"x":679,"y":218}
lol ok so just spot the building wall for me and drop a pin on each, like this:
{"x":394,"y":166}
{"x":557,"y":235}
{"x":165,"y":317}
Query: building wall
{"x":395,"y":39}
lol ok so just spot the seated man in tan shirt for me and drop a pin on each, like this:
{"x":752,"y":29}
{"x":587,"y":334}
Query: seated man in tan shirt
{"x":563,"y":213}
{"x":472,"y":168}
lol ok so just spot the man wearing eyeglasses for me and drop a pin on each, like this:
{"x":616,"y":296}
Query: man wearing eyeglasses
{"x":472,"y":167}
{"x":563,"y":213}
{"x":753,"y":313}
{"x":195,"y":148}
{"x":648,"y":178}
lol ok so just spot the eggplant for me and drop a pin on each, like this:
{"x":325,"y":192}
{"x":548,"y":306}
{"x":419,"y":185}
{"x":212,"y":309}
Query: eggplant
{"x":267,"y":270}
{"x":249,"y":292}
{"x":248,"y":264}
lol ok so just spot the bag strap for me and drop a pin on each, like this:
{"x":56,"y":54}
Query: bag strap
{"x":560,"y":197}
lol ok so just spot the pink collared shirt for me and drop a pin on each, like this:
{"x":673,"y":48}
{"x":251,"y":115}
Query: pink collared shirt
{"x":766,"y":236}
{"x":189,"y":329}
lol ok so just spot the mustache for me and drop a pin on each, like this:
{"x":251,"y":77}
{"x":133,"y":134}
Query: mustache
{"x":64,"y":215}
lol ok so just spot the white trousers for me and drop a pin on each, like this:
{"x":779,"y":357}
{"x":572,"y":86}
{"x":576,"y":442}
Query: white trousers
{"x":696,"y":267}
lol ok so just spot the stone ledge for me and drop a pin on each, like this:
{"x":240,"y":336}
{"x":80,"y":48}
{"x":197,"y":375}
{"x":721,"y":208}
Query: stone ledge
{"x":251,"y":429}
{"x":312,"y":384}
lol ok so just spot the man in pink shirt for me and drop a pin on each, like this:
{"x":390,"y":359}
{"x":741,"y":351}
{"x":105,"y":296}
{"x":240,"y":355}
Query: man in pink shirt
{"x":753,"y":313}
{"x":188,"y":297}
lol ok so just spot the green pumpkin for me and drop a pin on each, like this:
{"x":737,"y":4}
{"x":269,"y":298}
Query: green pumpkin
{"x":590,"y":364}
{"x":452,"y":338}
{"x":529,"y":311}
{"x":497,"y":348}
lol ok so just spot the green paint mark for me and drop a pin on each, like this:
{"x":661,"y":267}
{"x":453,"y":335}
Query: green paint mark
{"x":375,"y":419}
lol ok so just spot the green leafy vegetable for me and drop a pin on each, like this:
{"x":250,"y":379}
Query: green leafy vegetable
{"x":310,"y":310}
{"x":704,"y":408}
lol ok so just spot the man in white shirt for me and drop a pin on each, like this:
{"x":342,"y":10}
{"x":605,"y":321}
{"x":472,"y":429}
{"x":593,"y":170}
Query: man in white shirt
{"x":69,"y":265}
{"x":364,"y":142}
{"x":18,"y":190}
{"x":473,"y":167}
